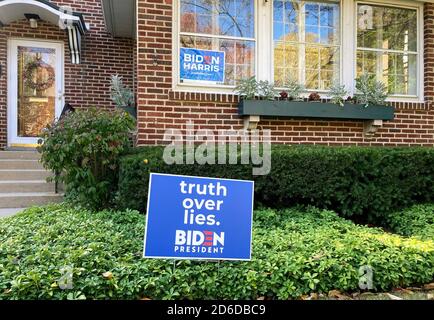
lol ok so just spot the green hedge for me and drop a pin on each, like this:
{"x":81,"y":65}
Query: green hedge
{"x":366,"y":183}
{"x":294,"y":253}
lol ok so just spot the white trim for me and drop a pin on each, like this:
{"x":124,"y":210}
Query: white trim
{"x":348,"y":47}
{"x":12,"y":80}
{"x":61,"y":15}
{"x":198,"y":87}
{"x":303,"y":43}
{"x":419,"y":7}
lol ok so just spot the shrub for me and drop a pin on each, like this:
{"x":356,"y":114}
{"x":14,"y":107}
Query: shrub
{"x":363,"y":183}
{"x":294,"y":253}
{"x":85,"y":146}
{"x":417,"y":221}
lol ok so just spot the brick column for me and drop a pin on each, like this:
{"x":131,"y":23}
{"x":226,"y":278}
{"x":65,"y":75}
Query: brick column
{"x":154,"y":66}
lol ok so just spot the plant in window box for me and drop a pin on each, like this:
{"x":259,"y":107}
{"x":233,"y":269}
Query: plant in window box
{"x":251,"y":89}
{"x":314,"y":97}
{"x":258,"y":99}
{"x":122,"y":96}
{"x":247,"y":89}
{"x":370,"y":91}
{"x":266,"y":91}
{"x":338,"y":94}
{"x":351,"y":100}
{"x":295,"y":90}
{"x":284,"y":95}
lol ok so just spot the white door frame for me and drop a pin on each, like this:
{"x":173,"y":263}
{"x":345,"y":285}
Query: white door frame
{"x":12,"y":101}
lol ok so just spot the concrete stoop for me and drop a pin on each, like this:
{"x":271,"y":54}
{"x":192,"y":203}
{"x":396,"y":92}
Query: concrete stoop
{"x":23,"y":182}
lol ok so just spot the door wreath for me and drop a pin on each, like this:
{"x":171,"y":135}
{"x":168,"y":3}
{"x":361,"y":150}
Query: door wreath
{"x":33,"y":67}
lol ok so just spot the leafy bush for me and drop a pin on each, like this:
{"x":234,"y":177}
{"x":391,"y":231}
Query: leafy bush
{"x":417,"y":221}
{"x":364,"y":183}
{"x":294,"y":253}
{"x":85,"y":146}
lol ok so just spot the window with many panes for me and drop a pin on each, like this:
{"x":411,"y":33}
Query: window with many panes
{"x":387,"y":46}
{"x":316,"y":43}
{"x":306,"y":37}
{"x":222,"y":25}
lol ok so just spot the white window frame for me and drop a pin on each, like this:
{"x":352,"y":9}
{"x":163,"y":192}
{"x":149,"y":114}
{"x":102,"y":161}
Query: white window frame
{"x":418,"y":6}
{"x":322,"y":92}
{"x":203,"y":87}
{"x":264,"y":48}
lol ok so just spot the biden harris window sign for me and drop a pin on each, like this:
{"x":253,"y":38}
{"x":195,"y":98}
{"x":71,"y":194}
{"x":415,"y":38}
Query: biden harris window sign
{"x":202,"y":65}
{"x":199,"y":218}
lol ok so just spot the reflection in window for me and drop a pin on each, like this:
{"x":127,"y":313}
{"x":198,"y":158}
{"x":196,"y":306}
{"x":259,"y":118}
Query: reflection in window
{"x":222,"y":25}
{"x":387,"y":44}
{"x":306,"y":43}
{"x":36,"y":90}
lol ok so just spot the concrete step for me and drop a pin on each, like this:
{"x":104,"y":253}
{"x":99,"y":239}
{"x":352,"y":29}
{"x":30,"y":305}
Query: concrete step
{"x":19,"y":164}
{"x":24,"y":155}
{"x":26,"y":186}
{"x":20,"y":175}
{"x":24,"y":200}
{"x":9,"y":212}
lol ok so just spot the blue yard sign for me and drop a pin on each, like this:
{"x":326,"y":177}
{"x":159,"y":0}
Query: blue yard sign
{"x":202,"y":65}
{"x":199,"y":218}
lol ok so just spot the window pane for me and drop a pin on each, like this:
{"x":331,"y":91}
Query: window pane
{"x":306,"y":43}
{"x":388,"y":28}
{"x":397,"y":70}
{"x":286,"y":15}
{"x":286,"y":61}
{"x":312,"y":34}
{"x":218,"y":17}
{"x":239,"y":55}
{"x":322,"y":67}
{"x":312,"y":14}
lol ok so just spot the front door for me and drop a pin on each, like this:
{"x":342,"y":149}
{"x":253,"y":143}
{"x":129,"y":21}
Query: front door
{"x":35,"y":89}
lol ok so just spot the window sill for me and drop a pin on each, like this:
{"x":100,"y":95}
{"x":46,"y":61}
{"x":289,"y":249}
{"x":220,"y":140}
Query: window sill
{"x":203,"y":96}
{"x":227,"y":95}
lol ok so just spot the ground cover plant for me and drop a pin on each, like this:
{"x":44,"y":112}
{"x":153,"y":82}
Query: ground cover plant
{"x":415,"y":221}
{"x":295,"y":252}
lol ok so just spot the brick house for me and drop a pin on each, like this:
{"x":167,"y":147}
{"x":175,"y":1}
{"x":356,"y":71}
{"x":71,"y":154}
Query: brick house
{"x":82,"y":52}
{"x":316,"y":43}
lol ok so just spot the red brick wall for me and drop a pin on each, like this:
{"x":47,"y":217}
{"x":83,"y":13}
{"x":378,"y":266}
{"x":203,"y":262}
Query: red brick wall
{"x":86,"y":84}
{"x":161,"y":109}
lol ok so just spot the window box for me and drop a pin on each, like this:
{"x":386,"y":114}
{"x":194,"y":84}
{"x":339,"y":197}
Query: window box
{"x":301,"y":109}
